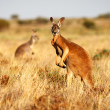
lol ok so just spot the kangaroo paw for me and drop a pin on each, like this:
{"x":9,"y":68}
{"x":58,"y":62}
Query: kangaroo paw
{"x":62,"y":66}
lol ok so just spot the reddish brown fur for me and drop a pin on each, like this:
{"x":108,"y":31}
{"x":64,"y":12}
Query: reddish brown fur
{"x":77,"y":60}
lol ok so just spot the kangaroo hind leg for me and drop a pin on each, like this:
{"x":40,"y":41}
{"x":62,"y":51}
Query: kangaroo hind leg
{"x":69,"y":76}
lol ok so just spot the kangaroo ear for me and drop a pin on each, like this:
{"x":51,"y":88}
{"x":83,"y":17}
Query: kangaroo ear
{"x":33,"y":31}
{"x":51,"y":19}
{"x":60,"y":21}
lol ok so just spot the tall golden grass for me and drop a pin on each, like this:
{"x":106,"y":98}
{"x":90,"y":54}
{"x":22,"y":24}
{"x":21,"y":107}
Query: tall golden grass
{"x":37,"y":83}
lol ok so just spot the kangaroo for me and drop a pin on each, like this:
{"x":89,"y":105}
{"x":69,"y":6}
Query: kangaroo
{"x":76,"y":59}
{"x":25,"y":49}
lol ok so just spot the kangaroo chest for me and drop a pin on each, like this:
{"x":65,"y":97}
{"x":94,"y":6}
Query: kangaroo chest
{"x":31,"y":46}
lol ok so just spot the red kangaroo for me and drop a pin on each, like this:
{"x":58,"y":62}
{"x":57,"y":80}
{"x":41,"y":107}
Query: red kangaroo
{"x":75,"y":58}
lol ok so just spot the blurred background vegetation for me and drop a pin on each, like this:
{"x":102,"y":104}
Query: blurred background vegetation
{"x":100,"y":24}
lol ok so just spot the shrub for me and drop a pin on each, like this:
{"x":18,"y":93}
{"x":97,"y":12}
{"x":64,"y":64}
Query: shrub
{"x":4,"y":24}
{"x":40,"y":20}
{"x":14,"y":17}
{"x":24,"y":22}
{"x":104,"y":15}
{"x":89,"y":24}
{"x":101,"y":54}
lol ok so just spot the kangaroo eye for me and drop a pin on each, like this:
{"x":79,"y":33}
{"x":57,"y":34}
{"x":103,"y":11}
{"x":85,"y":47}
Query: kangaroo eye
{"x":58,"y":27}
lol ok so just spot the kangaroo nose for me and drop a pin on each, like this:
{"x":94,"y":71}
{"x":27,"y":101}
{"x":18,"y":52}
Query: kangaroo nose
{"x":52,"y":31}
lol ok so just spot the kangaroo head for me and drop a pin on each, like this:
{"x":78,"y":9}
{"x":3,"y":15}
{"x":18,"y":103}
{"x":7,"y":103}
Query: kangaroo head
{"x":56,"y":26}
{"x":34,"y":36}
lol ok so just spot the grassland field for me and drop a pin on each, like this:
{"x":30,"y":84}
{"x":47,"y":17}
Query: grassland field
{"x":36,"y":83}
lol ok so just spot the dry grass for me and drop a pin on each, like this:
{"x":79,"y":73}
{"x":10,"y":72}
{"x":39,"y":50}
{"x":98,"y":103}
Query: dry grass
{"x":38,"y":84}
